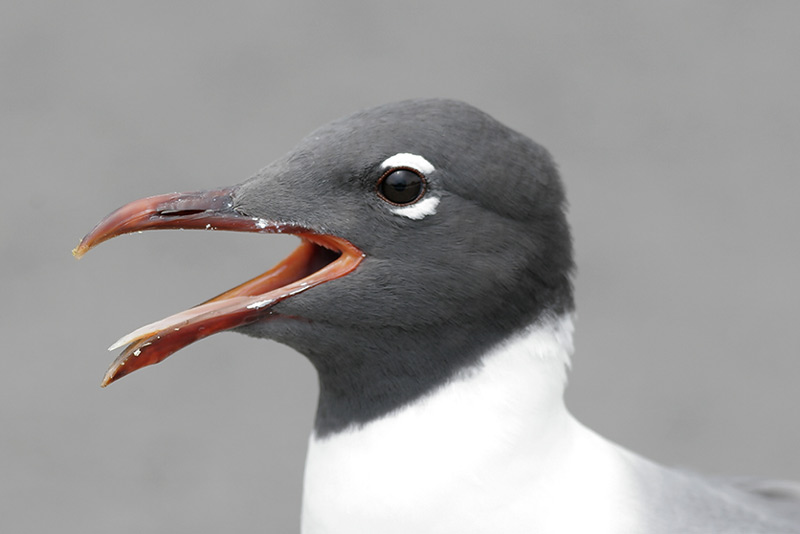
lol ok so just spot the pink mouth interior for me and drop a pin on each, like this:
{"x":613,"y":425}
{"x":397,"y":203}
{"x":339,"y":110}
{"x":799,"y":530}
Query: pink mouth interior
{"x":309,"y":265}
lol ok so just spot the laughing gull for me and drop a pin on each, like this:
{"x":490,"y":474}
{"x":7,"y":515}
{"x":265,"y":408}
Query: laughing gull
{"x":432,"y":293}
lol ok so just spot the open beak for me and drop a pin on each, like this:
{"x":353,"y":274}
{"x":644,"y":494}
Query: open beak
{"x":319,"y":258}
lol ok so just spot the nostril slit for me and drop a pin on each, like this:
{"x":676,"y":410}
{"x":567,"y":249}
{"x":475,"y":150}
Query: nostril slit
{"x":179,"y":213}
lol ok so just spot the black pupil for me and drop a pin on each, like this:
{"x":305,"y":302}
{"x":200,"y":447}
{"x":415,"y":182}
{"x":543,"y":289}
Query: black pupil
{"x":401,"y":186}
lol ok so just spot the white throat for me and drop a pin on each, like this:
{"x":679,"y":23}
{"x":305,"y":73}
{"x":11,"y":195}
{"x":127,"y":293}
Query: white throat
{"x":490,"y":451}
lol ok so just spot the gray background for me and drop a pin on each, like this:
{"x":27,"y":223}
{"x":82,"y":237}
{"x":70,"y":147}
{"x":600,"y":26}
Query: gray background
{"x":676,"y":126}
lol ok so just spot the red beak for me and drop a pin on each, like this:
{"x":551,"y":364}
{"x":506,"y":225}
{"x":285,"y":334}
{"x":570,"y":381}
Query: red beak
{"x":319,"y":258}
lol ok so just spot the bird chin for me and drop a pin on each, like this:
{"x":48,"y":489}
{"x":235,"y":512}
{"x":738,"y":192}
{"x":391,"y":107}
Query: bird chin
{"x":320,"y":258}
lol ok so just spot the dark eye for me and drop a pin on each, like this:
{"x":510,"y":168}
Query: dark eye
{"x":401,"y":186}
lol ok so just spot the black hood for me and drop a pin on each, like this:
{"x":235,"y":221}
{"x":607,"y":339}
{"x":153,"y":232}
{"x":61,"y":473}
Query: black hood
{"x":436,"y":285}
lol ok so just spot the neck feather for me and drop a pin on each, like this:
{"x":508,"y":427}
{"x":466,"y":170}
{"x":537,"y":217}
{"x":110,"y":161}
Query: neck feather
{"x":499,"y":420}
{"x":519,"y":381}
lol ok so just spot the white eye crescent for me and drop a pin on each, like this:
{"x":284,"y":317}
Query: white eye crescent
{"x":412,"y":161}
{"x":420,"y":210}
{"x":420,"y":207}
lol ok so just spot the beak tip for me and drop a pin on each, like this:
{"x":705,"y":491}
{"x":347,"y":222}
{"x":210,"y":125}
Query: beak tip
{"x":84,"y":246}
{"x":109,"y":377}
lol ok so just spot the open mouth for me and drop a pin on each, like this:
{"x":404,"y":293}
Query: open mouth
{"x":320,"y":258}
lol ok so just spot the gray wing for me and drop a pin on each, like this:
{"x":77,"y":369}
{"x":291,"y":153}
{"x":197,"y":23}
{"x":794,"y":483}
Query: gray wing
{"x":782,"y":495}
{"x":680,"y":501}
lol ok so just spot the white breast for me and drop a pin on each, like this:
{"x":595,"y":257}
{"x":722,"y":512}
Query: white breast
{"x":492,"y":451}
